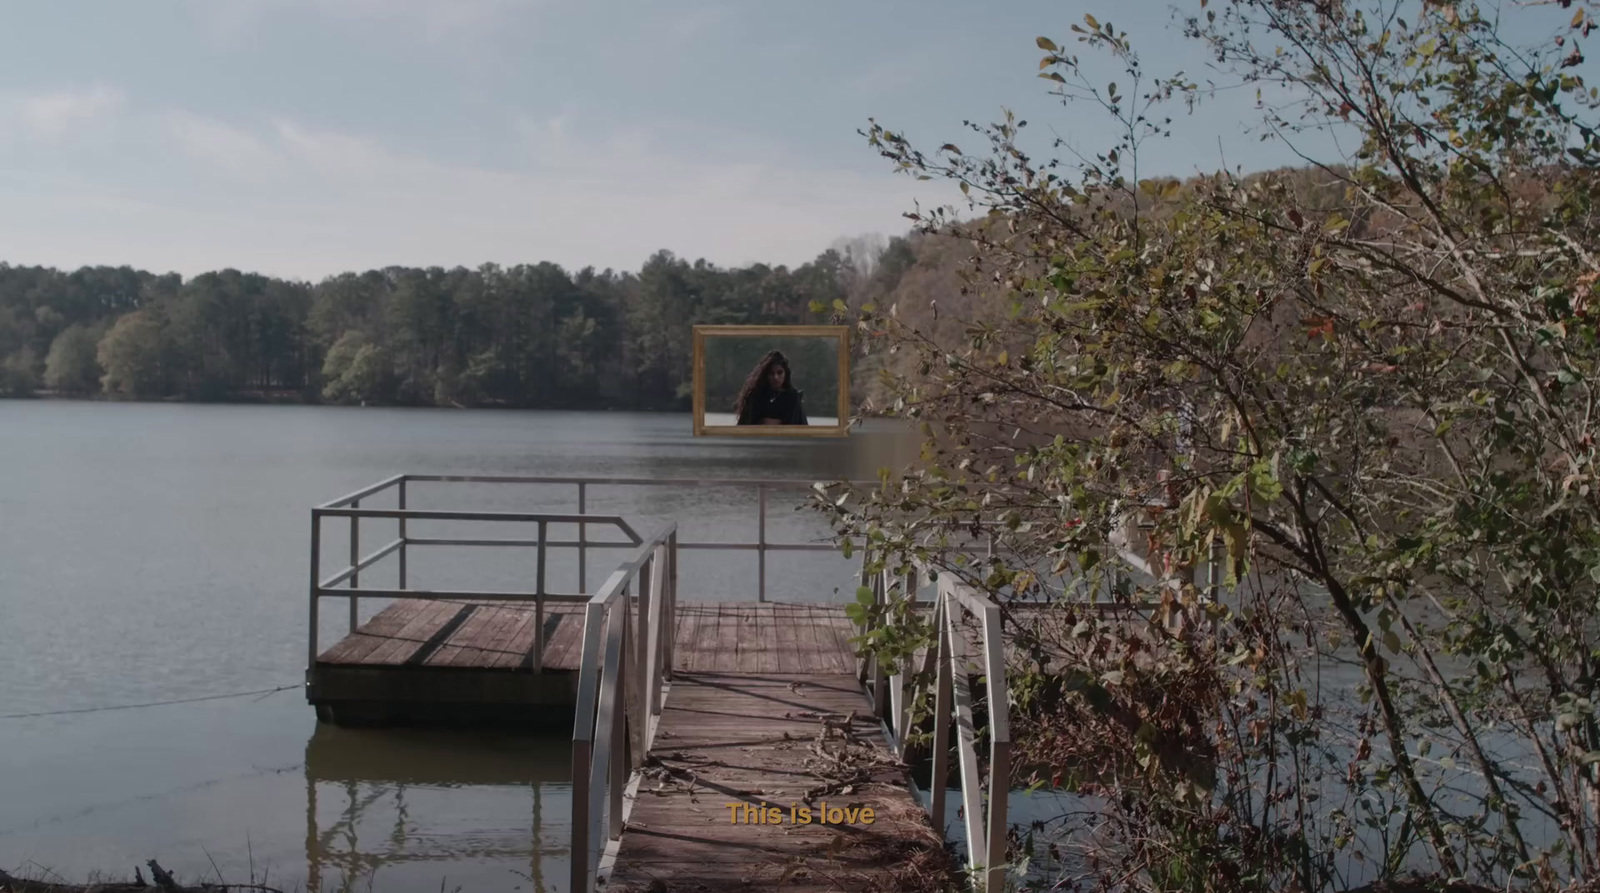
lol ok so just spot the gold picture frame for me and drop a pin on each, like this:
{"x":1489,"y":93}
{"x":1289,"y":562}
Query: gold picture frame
{"x":842,"y":415}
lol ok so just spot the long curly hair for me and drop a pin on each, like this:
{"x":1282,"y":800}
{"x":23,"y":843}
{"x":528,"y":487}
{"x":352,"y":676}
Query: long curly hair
{"x":756,"y":385}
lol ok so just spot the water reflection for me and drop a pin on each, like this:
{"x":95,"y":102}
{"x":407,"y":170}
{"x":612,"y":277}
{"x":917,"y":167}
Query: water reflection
{"x":416,"y":808}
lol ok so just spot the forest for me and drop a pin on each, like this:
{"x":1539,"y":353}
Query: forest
{"x":533,"y":336}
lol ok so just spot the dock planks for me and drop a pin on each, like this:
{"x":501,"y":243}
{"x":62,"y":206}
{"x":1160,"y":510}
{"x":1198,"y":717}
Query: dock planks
{"x":712,"y":637}
{"x":470,"y":635}
{"x":760,"y":739}
{"x":744,"y":722}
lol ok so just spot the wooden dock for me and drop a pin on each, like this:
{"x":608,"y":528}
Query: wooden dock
{"x":423,"y":661}
{"x":702,"y":733}
{"x":734,"y":748}
{"x":766,"y":710}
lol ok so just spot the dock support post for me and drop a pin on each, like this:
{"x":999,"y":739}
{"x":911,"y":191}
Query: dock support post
{"x":402,"y":534}
{"x":582,"y":757}
{"x":316,"y":586}
{"x":761,"y":544}
{"x":583,"y":539}
{"x":643,"y":630}
{"x":671,"y":632}
{"x":355,"y":559}
{"x":538,"y":604}
{"x":620,"y":760}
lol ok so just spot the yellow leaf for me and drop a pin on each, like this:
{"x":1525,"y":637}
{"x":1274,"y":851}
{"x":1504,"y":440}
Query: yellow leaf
{"x":1046,"y":43}
{"x":1577,"y":18}
{"x":1092,"y":21}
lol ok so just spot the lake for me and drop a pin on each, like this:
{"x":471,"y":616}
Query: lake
{"x":158,"y":552}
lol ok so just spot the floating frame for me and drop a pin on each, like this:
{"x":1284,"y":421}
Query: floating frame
{"x":842,"y":414}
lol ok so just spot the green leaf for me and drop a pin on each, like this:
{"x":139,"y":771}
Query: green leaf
{"x":864,"y":595}
{"x":1391,"y":641}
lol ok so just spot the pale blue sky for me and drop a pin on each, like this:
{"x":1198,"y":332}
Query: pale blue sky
{"x":305,"y":137}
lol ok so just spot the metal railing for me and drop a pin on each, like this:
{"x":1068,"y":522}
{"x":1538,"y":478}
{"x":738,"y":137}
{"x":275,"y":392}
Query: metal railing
{"x":954,"y":605}
{"x":761,"y":546}
{"x":895,"y":696}
{"x":623,"y":679}
{"x":986,"y":833}
{"x":350,"y":506}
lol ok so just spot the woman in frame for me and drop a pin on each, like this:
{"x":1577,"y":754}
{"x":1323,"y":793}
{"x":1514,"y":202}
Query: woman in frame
{"x":769,"y":396}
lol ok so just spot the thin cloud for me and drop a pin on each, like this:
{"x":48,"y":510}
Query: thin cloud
{"x":51,"y":115}
{"x":221,"y":146}
{"x":342,"y":201}
{"x":431,"y":19}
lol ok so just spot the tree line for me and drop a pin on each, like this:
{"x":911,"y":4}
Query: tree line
{"x":1307,"y":460}
{"x":523,"y":336}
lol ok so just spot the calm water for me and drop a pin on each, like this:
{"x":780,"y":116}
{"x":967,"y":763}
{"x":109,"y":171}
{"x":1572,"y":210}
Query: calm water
{"x":159,"y":552}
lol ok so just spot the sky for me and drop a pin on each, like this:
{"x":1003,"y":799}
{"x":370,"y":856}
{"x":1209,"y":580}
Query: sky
{"x":302,"y":138}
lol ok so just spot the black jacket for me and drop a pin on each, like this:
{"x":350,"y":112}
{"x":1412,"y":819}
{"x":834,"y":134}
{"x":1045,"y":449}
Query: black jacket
{"x":786,"y":406}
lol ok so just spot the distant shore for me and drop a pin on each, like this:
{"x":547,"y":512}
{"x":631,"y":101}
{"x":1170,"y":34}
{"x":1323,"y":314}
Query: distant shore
{"x":295,"y":398}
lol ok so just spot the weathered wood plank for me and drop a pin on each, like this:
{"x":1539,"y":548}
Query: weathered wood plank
{"x":517,"y":638}
{"x":727,"y":655}
{"x":430,"y":617}
{"x":767,"y":624}
{"x":748,"y":739}
{"x":462,"y":647}
{"x":749,"y":639}
{"x":516,"y":642}
{"x":786,"y":653}
{"x":807,"y":643}
{"x":708,"y":649}
{"x":383,"y":626}
{"x":843,"y":653}
{"x":563,"y":649}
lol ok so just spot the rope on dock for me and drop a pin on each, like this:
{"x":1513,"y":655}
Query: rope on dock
{"x":238,"y":694}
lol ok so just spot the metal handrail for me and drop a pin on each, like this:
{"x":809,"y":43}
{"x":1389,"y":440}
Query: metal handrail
{"x":349,"y":506}
{"x":323,"y":588}
{"x":622,"y":683}
{"x":986,"y":846}
{"x":894,"y":701}
{"x":893,"y":704}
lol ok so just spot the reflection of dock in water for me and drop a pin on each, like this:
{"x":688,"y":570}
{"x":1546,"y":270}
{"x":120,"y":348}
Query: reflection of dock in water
{"x":744,"y":697}
{"x":426,"y":802}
